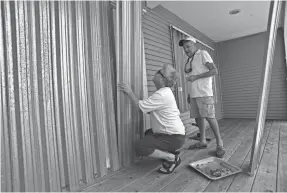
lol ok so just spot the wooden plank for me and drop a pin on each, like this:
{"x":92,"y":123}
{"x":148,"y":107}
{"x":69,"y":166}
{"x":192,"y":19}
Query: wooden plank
{"x":122,"y":182}
{"x":243,"y":182}
{"x":157,"y":182}
{"x":265,"y":179}
{"x":144,"y":181}
{"x":125,"y":177}
{"x":236,"y":159}
{"x":189,"y":176}
{"x":282,"y":164}
{"x":231,"y":143}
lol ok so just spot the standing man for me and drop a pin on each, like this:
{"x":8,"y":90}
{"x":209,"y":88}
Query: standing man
{"x":199,"y":70}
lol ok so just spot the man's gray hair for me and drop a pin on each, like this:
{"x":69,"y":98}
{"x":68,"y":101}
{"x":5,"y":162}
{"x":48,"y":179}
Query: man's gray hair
{"x":170,"y":73}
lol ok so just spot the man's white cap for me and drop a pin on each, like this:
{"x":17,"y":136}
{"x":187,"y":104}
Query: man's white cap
{"x":181,"y":42}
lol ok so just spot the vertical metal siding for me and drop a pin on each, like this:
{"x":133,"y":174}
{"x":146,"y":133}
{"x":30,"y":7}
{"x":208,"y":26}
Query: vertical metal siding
{"x":129,"y":70}
{"x":58,"y":127}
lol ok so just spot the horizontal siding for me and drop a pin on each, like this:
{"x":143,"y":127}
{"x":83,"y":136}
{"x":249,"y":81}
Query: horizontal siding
{"x":277,"y":103}
{"x":241,"y":63}
{"x":157,"y":45}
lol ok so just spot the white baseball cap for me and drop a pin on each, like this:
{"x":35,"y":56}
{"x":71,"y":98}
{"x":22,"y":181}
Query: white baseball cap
{"x":181,"y":42}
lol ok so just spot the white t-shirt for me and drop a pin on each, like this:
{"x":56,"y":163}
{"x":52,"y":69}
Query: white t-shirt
{"x":201,"y":87}
{"x":165,"y":116}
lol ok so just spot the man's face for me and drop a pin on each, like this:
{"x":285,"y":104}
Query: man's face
{"x":189,"y":48}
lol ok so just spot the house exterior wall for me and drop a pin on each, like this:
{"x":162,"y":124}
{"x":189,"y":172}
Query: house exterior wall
{"x":158,"y":45}
{"x":241,"y":63}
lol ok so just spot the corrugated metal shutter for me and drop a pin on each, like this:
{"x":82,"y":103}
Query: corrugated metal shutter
{"x":129,"y":70}
{"x":241,"y":62}
{"x":57,"y":113}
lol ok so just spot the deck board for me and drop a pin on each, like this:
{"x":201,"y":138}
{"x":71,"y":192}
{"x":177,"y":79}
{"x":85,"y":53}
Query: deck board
{"x":193,"y":155}
{"x":237,"y":135}
{"x":265,"y":180}
{"x":154,"y":177}
{"x":125,"y":177}
{"x":243,"y":182}
{"x":282,"y":160}
{"x":231,"y":141}
{"x":237,"y":160}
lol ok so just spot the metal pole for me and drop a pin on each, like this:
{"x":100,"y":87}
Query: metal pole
{"x":273,"y":21}
{"x":284,"y":10}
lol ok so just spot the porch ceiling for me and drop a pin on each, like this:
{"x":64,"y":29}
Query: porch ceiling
{"x":213,"y":19}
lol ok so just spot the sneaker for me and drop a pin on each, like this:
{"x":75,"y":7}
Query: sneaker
{"x":220,"y":151}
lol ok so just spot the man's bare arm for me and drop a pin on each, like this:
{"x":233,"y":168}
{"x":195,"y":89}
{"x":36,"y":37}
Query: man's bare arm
{"x":212,"y":71}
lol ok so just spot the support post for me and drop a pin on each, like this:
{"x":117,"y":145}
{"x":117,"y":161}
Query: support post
{"x":272,"y":26}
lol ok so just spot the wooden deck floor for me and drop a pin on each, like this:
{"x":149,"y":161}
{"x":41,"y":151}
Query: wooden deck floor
{"x":237,"y":135}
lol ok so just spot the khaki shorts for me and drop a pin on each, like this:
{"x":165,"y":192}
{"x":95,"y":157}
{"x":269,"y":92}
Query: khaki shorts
{"x":202,"y":107}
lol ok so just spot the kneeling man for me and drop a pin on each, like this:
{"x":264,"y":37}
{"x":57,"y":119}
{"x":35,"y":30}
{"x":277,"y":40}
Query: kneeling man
{"x":168,"y":131}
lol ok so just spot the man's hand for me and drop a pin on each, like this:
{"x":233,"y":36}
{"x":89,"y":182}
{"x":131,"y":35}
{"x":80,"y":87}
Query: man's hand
{"x":191,"y":78}
{"x":125,"y":88}
{"x":128,"y":91}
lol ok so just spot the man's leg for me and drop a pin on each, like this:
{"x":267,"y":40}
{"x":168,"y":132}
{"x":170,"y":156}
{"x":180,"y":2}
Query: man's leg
{"x":163,"y":143}
{"x":215,"y":129}
{"x":207,"y":110}
{"x":158,"y":146}
{"x":194,"y":113}
{"x":158,"y":154}
{"x":201,"y":126}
